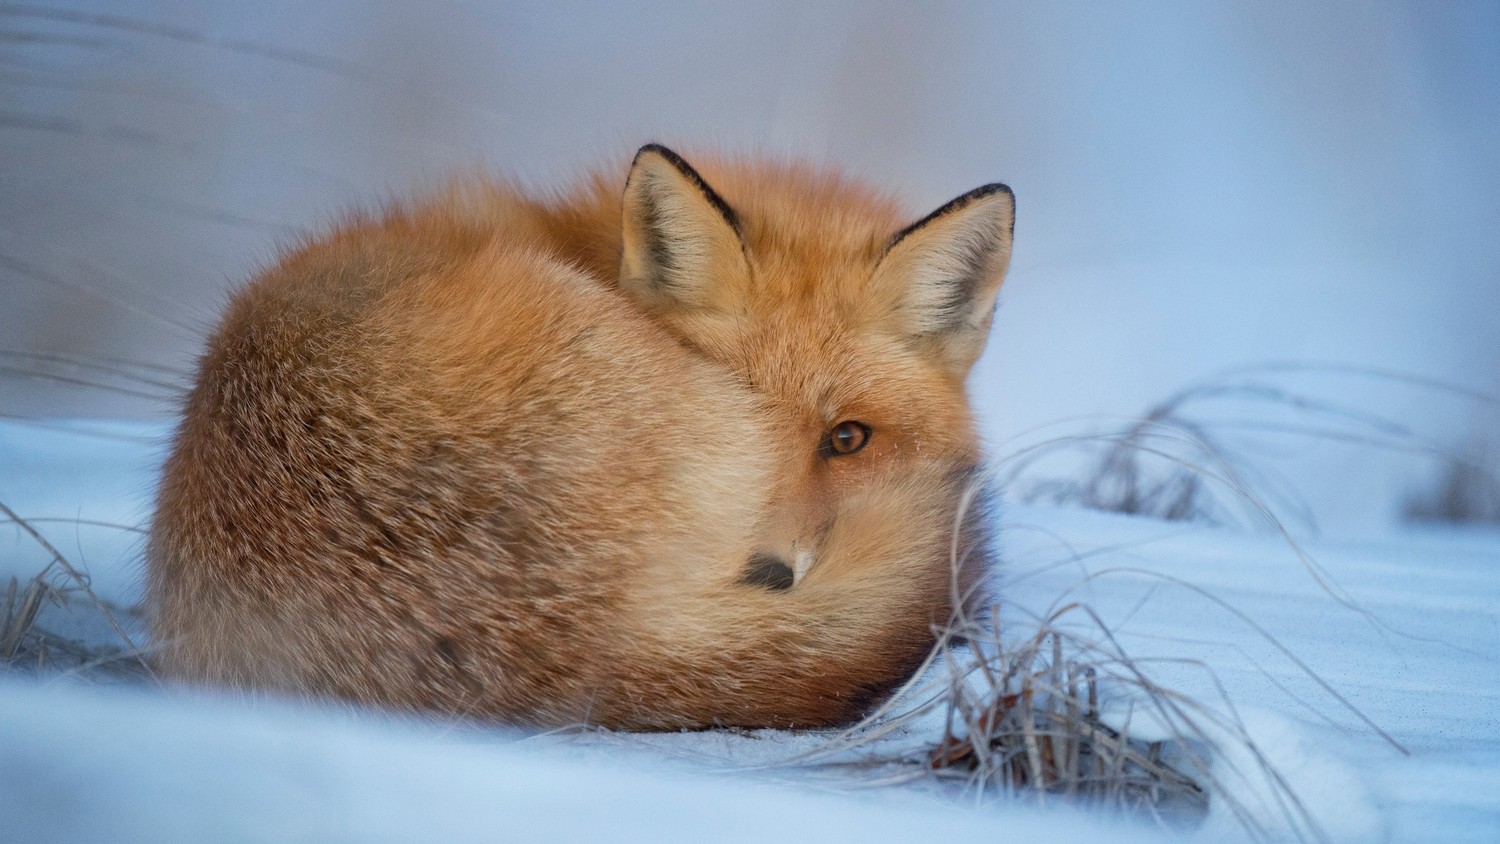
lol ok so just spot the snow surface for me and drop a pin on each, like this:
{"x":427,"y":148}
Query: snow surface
{"x":1405,"y":628}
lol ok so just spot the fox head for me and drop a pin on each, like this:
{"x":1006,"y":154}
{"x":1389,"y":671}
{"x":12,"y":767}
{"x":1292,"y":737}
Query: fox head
{"x":856,"y":329}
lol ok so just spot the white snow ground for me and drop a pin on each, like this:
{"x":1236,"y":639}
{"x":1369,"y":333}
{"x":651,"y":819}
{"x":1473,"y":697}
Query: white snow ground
{"x":1407,"y":631}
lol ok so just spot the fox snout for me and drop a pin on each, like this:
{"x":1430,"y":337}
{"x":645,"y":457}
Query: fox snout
{"x":781,"y":570}
{"x":796,"y":542}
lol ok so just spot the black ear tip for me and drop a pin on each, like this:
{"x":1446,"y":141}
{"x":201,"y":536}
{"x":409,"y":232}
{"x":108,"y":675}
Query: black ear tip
{"x":958,"y":203}
{"x":663,"y":151}
{"x":990,"y":190}
{"x":691,"y":175}
{"x":994,"y":189}
{"x":654,"y":147}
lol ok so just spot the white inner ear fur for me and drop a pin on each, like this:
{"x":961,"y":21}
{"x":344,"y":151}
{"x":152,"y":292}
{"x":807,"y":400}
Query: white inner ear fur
{"x":954,"y":277}
{"x":941,"y":279}
{"x":668,"y":217}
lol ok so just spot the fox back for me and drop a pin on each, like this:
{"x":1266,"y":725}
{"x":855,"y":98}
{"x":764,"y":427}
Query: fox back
{"x":651,"y":456}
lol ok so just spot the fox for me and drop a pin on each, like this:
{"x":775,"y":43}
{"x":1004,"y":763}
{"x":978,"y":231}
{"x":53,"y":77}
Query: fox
{"x":690,"y":451}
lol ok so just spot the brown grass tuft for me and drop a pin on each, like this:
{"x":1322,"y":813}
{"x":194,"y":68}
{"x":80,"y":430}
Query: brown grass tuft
{"x":1465,"y":491}
{"x":26,"y":645}
{"x":1027,"y":717}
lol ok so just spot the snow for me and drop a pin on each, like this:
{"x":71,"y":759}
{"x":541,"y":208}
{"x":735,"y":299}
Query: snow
{"x":1405,"y":628}
{"x":86,"y":765}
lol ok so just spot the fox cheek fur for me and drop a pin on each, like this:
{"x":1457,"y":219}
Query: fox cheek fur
{"x":651,"y":457}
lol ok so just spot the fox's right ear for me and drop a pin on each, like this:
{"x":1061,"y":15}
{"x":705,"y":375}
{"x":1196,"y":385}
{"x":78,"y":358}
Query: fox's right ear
{"x":682,"y":246}
{"x":939,"y":276}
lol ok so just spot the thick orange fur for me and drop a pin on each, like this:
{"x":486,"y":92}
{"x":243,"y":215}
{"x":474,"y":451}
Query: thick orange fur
{"x":510,"y":456}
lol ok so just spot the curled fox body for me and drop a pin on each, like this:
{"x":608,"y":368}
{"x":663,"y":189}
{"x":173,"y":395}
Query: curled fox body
{"x":684,"y":452}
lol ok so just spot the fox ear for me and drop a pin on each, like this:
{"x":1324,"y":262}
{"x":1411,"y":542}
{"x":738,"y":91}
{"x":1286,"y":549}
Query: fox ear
{"x":939,"y":276}
{"x":682,"y":246}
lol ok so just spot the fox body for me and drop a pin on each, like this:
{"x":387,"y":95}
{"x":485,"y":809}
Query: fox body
{"x":686,"y":452}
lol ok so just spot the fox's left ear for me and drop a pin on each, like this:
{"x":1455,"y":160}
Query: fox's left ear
{"x":683,"y":256}
{"x":940,"y":276}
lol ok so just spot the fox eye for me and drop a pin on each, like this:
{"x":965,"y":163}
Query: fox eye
{"x":845,"y":438}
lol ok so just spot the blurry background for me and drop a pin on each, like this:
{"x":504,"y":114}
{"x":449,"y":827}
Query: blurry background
{"x":1201,"y":186}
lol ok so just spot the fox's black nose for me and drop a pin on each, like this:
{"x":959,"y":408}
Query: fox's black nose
{"x":769,"y":572}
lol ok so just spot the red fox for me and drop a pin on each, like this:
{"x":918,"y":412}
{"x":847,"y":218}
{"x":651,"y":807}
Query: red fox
{"x":650,"y":457}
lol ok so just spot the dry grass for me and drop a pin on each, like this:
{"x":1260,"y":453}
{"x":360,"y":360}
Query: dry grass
{"x":1044,"y":713}
{"x":1188,"y":457}
{"x":1028,"y":717}
{"x":160,"y":386}
{"x":1465,"y":492}
{"x":25,"y":644}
